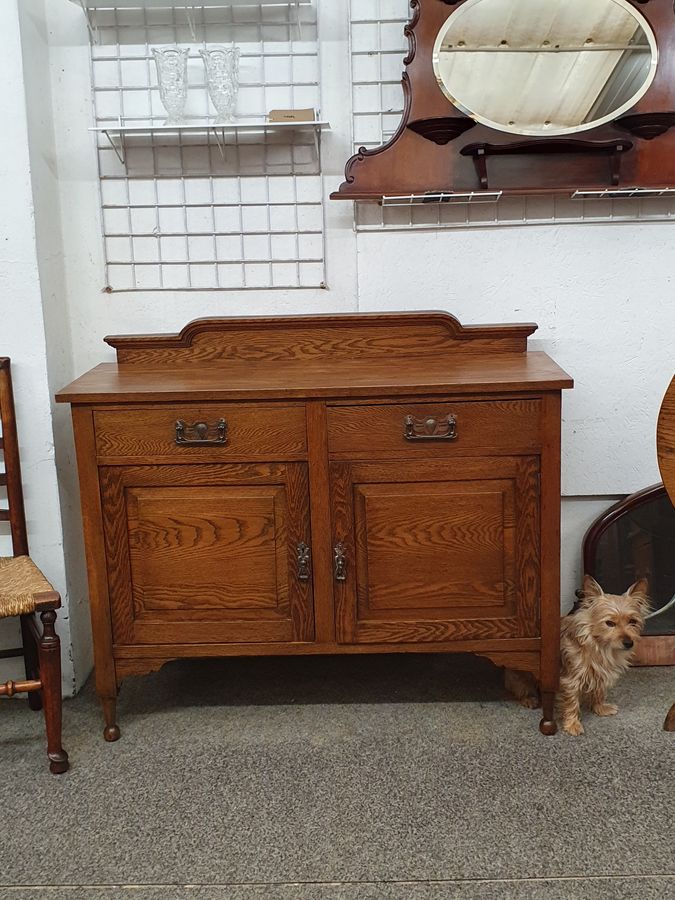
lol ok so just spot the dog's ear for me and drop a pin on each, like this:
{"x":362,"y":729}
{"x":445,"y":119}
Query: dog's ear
{"x":591,"y":589}
{"x":640,"y":593}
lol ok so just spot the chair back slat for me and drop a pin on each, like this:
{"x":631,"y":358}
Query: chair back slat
{"x":12,"y":476}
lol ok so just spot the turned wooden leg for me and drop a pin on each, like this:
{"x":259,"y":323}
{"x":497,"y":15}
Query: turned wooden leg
{"x":669,"y":724}
{"x":111,"y":732}
{"x":548,"y":725}
{"x":49,"y":654}
{"x":31,"y":660}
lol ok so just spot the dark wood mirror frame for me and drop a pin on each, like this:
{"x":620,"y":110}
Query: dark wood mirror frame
{"x":438,"y":149}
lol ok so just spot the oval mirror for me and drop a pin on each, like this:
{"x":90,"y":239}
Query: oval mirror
{"x":545,"y":67}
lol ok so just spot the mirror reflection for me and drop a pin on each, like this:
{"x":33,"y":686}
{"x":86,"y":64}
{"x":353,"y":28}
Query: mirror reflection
{"x":545,"y":67}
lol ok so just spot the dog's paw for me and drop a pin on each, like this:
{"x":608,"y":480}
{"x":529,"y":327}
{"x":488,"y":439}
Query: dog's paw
{"x":605,"y":709}
{"x":530,"y":702}
{"x":575,"y":727}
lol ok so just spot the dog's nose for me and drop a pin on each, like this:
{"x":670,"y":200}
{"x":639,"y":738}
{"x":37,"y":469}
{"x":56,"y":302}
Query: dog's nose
{"x":627,"y":643}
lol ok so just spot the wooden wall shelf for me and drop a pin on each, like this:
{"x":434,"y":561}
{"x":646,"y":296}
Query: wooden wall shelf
{"x":431,"y":149}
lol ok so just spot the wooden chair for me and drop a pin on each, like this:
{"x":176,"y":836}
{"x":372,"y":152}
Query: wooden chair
{"x":25,"y":591}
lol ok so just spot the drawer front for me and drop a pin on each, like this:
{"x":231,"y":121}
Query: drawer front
{"x":437,"y":428}
{"x":223,"y":432}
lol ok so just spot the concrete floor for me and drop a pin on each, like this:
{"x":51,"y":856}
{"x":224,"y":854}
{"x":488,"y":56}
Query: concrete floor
{"x":411,"y":778}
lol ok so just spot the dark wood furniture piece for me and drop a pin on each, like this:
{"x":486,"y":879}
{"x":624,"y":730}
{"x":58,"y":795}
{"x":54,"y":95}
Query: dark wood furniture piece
{"x":442,"y":147}
{"x":323,"y":484}
{"x":665,"y":448}
{"x":24,"y":591}
{"x":635,"y":539}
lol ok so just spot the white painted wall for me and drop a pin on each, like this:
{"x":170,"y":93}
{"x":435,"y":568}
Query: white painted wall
{"x":44,"y":168}
{"x":601,"y":293}
{"x":23,"y":339}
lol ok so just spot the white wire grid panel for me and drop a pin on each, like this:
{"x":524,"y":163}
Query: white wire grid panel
{"x":200,"y":211}
{"x":378,"y":46}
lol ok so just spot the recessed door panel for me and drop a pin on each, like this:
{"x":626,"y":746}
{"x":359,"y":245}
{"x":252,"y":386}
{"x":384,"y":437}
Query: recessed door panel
{"x":208,"y":553}
{"x":437,"y":552}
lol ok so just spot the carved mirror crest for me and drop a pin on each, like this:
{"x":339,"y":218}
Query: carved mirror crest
{"x":530,"y":96}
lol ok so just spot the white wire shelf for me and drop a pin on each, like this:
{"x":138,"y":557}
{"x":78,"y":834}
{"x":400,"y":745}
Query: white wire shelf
{"x":204,"y":126}
{"x":181,"y":4}
{"x":117,"y":132}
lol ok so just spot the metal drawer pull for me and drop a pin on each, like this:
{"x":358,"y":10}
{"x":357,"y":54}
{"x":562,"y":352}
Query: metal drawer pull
{"x":303,"y":554}
{"x":199,"y":434}
{"x":340,"y":561}
{"x":430,"y":429}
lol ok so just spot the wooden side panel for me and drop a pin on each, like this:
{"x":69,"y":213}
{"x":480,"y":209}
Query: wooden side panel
{"x":212,"y":560}
{"x":437,"y":552}
{"x":94,"y":544}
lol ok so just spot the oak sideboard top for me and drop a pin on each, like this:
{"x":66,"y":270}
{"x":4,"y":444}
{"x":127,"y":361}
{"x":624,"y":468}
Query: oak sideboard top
{"x":338,"y":356}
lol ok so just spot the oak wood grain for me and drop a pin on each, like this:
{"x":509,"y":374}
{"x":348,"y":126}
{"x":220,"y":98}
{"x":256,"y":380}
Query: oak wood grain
{"x":436,"y":552}
{"x":253,"y":433}
{"x":310,"y":338}
{"x":498,"y":426}
{"x":193,"y":551}
{"x":110,"y":382}
{"x":214,"y":561}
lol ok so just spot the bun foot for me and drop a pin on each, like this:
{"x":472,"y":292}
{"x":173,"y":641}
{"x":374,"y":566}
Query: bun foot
{"x":58,"y":763}
{"x":548,"y":727}
{"x":111,"y":733}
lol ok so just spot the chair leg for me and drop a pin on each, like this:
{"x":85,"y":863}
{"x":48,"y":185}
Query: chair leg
{"x":49,"y":651}
{"x":30,"y":656}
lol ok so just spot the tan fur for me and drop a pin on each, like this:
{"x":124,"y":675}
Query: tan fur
{"x":592,"y":653}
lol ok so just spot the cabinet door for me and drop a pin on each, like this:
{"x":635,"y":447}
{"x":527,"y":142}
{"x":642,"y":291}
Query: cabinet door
{"x":435,"y":550}
{"x":208,"y":553}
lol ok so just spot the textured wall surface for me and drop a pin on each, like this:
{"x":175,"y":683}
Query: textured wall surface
{"x":23,"y":339}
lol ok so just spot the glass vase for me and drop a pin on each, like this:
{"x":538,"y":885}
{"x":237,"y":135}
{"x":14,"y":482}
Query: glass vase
{"x":222,"y":79}
{"x":171,"y":65}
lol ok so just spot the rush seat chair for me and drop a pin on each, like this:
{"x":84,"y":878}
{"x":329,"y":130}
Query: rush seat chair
{"x":25,"y":592}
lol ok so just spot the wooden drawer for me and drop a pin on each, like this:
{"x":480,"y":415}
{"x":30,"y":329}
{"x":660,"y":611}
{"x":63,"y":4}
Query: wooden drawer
{"x":251,"y":432}
{"x":493,"y":427}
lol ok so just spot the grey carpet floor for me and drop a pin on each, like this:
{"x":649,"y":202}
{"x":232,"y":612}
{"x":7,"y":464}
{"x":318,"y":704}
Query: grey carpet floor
{"x":328,"y":778}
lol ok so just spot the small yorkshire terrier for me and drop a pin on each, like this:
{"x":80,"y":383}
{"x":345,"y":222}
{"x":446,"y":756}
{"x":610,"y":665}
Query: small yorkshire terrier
{"x":596,"y":646}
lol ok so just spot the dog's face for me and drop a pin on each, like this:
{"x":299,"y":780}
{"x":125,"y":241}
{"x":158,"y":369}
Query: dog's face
{"x":615,"y":620}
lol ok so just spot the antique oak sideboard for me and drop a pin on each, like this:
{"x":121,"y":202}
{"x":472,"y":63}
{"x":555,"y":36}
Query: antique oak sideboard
{"x":321,"y":484}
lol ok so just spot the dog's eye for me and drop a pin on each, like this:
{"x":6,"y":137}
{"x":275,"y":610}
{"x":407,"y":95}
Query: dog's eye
{"x":632,"y":621}
{"x":610,"y":624}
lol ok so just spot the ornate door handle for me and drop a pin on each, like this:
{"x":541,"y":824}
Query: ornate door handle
{"x":340,"y":562}
{"x":199,"y":433}
{"x":430,"y":429}
{"x":303,"y":554}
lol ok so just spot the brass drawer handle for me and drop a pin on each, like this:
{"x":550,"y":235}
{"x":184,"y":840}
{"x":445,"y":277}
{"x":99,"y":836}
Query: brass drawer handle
{"x":303,"y":554}
{"x":430,"y":429}
{"x":340,"y":561}
{"x":199,"y":432}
